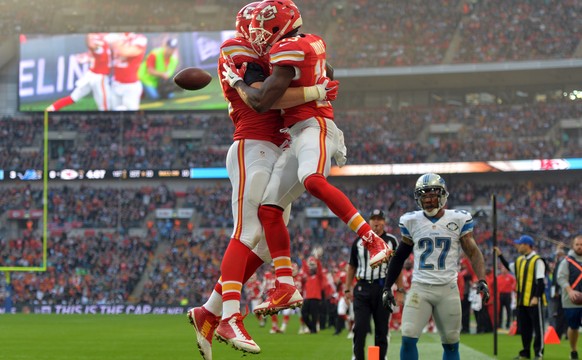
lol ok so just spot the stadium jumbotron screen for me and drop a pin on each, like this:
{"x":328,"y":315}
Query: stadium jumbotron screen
{"x":117,"y":71}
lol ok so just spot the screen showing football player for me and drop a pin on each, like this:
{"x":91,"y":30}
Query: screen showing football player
{"x":96,"y":79}
{"x":128,"y":52}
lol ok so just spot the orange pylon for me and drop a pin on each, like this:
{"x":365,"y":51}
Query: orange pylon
{"x":551,"y":337}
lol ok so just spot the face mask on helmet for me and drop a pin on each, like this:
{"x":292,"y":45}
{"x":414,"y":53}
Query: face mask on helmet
{"x":272,"y":20}
{"x":243,"y":20}
{"x":428,"y":188}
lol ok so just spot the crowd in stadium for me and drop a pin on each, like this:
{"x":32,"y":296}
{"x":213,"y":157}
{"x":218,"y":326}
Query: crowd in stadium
{"x":97,"y":269}
{"x":521,"y":29}
{"x":413,"y":40}
{"x":104,"y":267}
{"x":373,"y":136}
{"x":443,"y":31}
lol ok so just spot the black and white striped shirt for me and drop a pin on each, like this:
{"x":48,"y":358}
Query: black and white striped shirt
{"x":360,"y":259}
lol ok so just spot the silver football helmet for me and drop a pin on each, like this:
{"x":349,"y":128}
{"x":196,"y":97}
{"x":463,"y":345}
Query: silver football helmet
{"x":431,"y":184}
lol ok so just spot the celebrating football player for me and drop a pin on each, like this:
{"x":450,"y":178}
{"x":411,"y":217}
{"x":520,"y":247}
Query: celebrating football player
{"x":258,"y":143}
{"x":297,"y":60}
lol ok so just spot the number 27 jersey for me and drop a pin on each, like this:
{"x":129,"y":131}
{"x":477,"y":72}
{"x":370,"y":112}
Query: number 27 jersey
{"x":437,"y":244}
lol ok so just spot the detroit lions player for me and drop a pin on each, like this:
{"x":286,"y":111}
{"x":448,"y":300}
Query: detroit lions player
{"x":435,"y":235}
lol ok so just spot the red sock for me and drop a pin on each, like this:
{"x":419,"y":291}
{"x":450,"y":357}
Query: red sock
{"x":253,"y":263}
{"x":318,"y":186}
{"x":62,"y":102}
{"x":234,"y":260}
{"x":333,"y":197}
{"x":277,"y":237}
{"x":218,"y":286}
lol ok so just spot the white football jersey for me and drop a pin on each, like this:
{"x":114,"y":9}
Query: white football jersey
{"x":436,"y":244}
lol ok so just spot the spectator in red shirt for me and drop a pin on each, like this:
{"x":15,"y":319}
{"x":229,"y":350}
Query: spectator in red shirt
{"x":489,"y":305}
{"x":314,"y":285}
{"x":505,"y":286}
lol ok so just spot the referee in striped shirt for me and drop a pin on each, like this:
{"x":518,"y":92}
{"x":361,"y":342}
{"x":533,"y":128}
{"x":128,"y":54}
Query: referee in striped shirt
{"x":367,"y":292}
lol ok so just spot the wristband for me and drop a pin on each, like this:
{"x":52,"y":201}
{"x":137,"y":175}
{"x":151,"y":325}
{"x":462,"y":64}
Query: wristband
{"x":312,"y":93}
{"x":401,"y":290}
{"x":347,"y":291}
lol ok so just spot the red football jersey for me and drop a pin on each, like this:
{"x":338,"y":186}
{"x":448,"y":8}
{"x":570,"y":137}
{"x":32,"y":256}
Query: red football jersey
{"x":505,"y":283}
{"x":268,"y":282}
{"x":125,"y":68}
{"x":253,"y":289}
{"x":306,"y":53}
{"x":248,"y":123}
{"x":340,"y":279}
{"x":101,"y":55}
{"x":299,"y":280}
{"x":406,"y":279}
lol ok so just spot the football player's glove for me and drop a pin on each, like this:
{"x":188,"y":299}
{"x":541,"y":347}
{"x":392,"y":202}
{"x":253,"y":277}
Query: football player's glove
{"x":231,"y":74}
{"x":327,"y":89}
{"x":388,"y":300}
{"x":341,"y":154}
{"x":483,"y":288}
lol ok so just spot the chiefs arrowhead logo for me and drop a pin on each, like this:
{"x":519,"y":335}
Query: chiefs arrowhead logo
{"x":268,"y":13}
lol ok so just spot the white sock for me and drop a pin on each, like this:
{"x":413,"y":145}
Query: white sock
{"x":214,"y":303}
{"x":286,"y":280}
{"x":229,"y":308}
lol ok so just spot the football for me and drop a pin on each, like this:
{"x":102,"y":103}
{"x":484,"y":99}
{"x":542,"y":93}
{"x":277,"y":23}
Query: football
{"x":577,"y":298}
{"x":192,"y":78}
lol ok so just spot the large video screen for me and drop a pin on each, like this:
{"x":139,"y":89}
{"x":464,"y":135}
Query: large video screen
{"x":117,"y":71}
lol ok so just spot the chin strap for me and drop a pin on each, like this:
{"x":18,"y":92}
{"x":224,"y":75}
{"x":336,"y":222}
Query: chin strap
{"x":431,"y":213}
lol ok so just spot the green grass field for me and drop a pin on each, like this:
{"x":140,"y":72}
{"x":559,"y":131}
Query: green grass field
{"x":128,"y":337}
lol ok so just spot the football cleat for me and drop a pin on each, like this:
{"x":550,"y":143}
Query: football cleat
{"x":205,"y":323}
{"x":232,"y":331}
{"x":283,"y":296}
{"x":378,"y":249}
{"x":275,"y":330}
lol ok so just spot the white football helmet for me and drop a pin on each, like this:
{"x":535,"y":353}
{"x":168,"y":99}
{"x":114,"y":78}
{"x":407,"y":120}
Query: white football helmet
{"x":431,"y":184}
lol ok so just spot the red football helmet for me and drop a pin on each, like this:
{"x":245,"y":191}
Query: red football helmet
{"x":273,"y":19}
{"x":243,"y":19}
